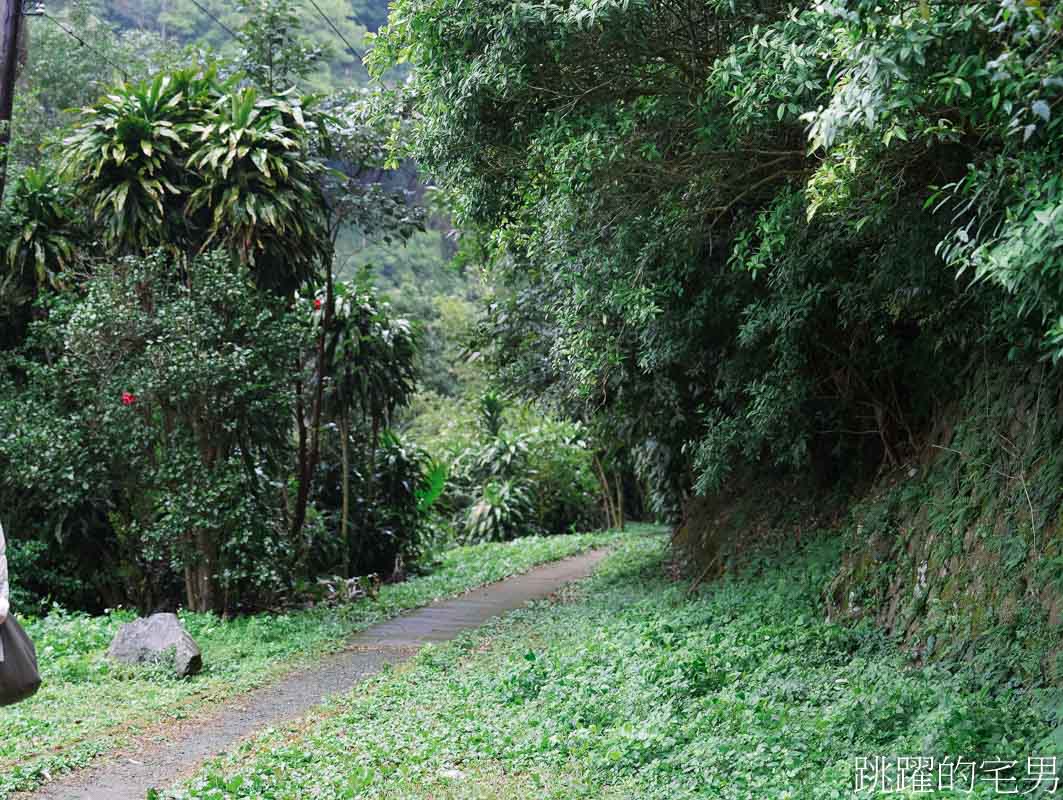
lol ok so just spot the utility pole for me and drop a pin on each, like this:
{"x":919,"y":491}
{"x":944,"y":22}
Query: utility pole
{"x":10,"y":28}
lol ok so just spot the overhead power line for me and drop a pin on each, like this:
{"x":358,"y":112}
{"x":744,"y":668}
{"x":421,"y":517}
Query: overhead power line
{"x":41,"y":13}
{"x":336,"y":30}
{"x":217,"y":21}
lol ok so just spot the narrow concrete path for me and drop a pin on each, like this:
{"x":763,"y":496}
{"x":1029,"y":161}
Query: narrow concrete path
{"x":129,"y":776}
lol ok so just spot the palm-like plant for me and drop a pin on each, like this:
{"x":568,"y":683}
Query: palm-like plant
{"x":371,"y":358}
{"x":373,"y":353}
{"x":503,"y":456}
{"x":260,"y":186}
{"x":41,"y":234}
{"x":502,"y":509}
{"x":187,"y":162}
{"x":491,"y":409}
{"x":128,"y":158}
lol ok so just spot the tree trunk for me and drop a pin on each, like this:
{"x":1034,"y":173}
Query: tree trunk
{"x":10,"y":25}
{"x":302,"y":456}
{"x":201,"y":583}
{"x":310,"y":436}
{"x":607,"y":495}
{"x":370,"y":486}
{"x":345,"y":512}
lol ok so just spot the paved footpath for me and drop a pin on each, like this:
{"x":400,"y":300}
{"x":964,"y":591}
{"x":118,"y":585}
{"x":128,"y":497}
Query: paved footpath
{"x":130,"y":775}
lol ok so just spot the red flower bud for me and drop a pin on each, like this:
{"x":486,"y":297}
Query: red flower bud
{"x":128,"y":398}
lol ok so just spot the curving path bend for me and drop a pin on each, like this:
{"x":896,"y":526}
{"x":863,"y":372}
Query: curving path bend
{"x":130,"y":775}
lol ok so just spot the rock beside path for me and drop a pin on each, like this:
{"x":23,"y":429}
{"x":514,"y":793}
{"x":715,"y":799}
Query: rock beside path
{"x":174,"y":750}
{"x":147,"y":640}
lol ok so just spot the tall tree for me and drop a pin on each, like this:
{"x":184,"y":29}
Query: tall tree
{"x":10,"y":28}
{"x":696,"y":210}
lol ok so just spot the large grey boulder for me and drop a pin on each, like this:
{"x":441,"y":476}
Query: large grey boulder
{"x":147,"y":640}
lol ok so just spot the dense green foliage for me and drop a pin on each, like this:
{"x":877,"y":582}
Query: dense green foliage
{"x":149,"y":426}
{"x":509,"y":469}
{"x":41,"y":230}
{"x":190,"y":394}
{"x":738,"y":236}
{"x":166,"y":391}
{"x":62,"y":75}
{"x":631,"y":688}
{"x":186,"y":162}
{"x":260,"y":37}
{"x":372,"y":357}
{"x":170,"y":397}
{"x":443,"y":297}
{"x":90,"y":706}
{"x":249,"y":361}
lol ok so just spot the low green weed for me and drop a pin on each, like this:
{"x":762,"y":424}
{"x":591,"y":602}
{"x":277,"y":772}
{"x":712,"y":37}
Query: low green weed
{"x":89,"y":706}
{"x":630,"y":688}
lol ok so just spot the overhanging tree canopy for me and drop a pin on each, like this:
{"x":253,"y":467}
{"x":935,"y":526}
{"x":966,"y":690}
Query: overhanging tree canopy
{"x":717,"y":223}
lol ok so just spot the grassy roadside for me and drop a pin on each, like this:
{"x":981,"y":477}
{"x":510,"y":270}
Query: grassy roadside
{"x":89,"y":706}
{"x":628,"y":688}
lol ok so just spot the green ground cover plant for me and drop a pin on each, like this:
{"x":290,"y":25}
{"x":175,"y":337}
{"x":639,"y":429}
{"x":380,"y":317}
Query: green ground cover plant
{"x":89,"y":706}
{"x":629,"y":687}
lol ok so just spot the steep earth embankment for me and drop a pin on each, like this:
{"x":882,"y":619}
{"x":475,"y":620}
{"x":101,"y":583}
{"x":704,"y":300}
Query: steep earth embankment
{"x":956,"y":552}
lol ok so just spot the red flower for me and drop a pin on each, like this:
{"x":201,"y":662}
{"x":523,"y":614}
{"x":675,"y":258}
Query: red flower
{"x":128,"y":398}
{"x":317,"y":304}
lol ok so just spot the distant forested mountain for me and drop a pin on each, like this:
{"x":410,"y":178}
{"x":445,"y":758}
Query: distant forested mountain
{"x":207,"y":24}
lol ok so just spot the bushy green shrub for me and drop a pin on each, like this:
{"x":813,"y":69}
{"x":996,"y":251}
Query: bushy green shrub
{"x":174,"y":395}
{"x":501,"y":511}
{"x":389,"y":525}
{"x":511,"y":469}
{"x":40,"y":230}
{"x":740,"y":239}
